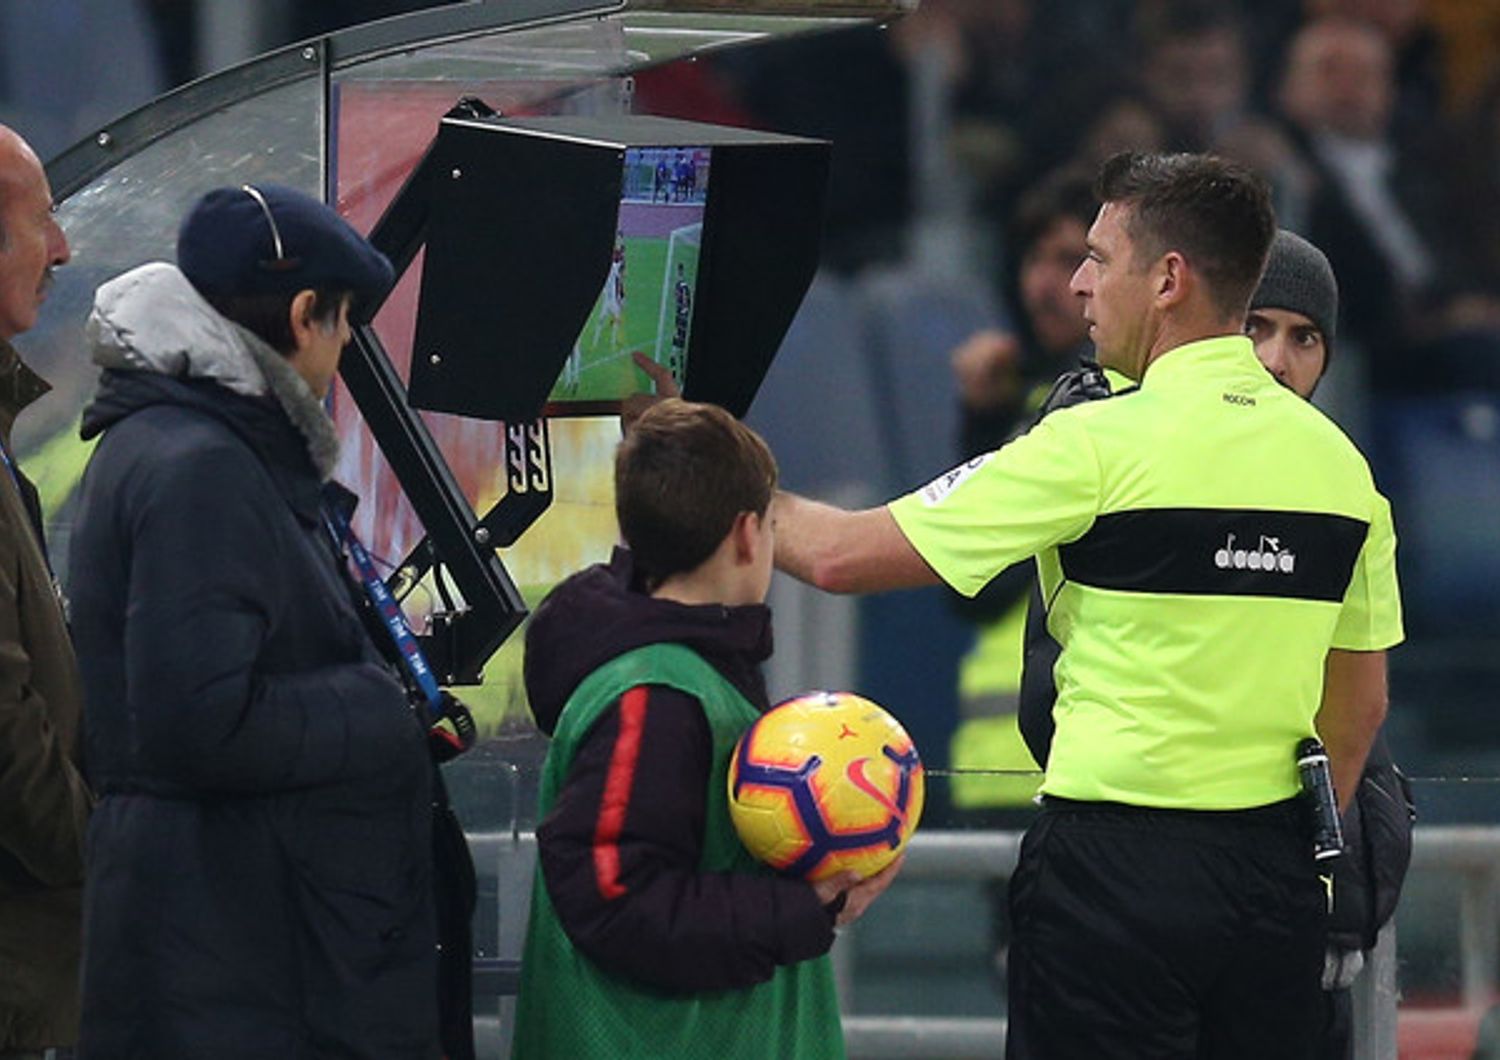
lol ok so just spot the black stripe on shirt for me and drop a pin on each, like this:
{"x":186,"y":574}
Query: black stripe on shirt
{"x":1218,"y":552}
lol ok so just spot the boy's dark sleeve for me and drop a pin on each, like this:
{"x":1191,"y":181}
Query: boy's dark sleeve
{"x":620,"y":852}
{"x":983,"y":429}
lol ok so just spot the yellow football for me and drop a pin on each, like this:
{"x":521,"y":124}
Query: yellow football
{"x":825,"y":782}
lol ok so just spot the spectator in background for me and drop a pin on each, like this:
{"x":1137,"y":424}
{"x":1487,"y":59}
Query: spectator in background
{"x":1194,"y":70}
{"x":1372,"y":207}
{"x":1125,"y":122}
{"x":45,"y":801}
{"x":989,"y":60}
{"x":1002,"y":376}
{"x":1197,"y":77}
{"x":1477,"y":179}
{"x":1002,"y":379}
{"x":1416,"y":52}
{"x":1471,"y":192}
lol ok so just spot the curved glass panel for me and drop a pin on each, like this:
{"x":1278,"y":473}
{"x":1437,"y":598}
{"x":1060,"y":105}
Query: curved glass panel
{"x":385,"y":112}
{"x":579,"y":51}
{"x":129,"y":216}
{"x":382,"y":127}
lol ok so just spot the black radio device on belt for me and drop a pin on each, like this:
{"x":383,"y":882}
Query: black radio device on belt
{"x":1317,"y":789}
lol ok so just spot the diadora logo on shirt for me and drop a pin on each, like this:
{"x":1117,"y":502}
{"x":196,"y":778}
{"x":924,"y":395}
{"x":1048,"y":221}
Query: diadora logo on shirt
{"x":1292,"y":555}
{"x":1269,"y":556}
{"x":939,"y":488}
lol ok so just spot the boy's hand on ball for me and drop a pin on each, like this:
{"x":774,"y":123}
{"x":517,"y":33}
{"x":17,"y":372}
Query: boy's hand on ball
{"x":830,"y":888}
{"x":857,"y":893}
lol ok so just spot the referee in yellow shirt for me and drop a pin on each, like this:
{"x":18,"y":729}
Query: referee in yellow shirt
{"x":1219,"y":570}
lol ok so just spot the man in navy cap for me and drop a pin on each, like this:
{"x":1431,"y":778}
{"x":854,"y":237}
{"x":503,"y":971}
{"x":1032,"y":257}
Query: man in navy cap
{"x":259,"y":864}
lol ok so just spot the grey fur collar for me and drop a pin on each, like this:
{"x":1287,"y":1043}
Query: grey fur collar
{"x":297,"y":400}
{"x":152,"y":319}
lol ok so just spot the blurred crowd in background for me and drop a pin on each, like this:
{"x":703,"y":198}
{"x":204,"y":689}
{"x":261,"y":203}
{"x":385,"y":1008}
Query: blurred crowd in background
{"x":1376,"y":121}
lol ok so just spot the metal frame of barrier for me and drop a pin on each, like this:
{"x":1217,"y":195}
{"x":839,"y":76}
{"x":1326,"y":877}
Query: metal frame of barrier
{"x":1471,"y":853}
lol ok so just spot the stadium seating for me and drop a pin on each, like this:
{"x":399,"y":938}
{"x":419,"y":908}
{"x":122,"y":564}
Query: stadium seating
{"x":1438,"y":459}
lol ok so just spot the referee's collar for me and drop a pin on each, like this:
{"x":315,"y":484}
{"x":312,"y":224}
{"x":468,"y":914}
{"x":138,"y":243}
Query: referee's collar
{"x":1217,"y":356}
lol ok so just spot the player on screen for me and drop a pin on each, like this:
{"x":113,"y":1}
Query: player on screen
{"x":573,"y":368}
{"x":684,"y":312}
{"x":662,"y":182}
{"x":613,"y":310}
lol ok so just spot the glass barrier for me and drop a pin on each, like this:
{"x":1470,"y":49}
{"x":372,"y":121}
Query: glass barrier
{"x":581,"y":51}
{"x":129,"y":216}
{"x":923,"y":973}
{"x":383,"y":125}
{"x":1447,"y":936}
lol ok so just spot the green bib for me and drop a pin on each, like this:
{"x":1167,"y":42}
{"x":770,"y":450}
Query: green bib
{"x":571,"y":1009}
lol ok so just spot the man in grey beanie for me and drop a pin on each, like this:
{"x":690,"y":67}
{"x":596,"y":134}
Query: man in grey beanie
{"x":1294,"y":313}
{"x":1292,"y":320}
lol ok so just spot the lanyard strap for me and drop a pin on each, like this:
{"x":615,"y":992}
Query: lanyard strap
{"x":387,"y":608}
{"x":10,"y":465}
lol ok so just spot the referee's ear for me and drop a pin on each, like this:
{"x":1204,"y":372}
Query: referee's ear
{"x":1172,"y":280}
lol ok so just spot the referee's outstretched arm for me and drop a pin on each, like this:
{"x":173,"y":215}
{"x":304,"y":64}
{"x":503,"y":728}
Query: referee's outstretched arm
{"x":841,"y":551}
{"x":1354,"y":704}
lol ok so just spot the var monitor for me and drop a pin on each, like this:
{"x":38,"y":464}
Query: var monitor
{"x":646,"y":303}
{"x":560,"y":249}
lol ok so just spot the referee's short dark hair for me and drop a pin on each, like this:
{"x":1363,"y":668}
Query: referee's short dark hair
{"x":1214,"y":212}
{"x":683,"y":472}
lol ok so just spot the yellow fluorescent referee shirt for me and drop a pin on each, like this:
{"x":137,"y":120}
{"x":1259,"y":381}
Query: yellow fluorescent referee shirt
{"x":1202,"y":542}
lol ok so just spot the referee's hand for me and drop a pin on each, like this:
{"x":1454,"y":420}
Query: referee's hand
{"x":636,"y":404}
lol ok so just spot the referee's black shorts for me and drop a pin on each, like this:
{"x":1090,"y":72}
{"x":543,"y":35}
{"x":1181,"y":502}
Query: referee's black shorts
{"x":1177,"y":934}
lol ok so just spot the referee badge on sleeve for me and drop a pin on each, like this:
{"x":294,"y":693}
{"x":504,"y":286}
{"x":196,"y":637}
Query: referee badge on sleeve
{"x":938,"y":490}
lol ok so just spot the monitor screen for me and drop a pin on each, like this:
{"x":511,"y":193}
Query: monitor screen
{"x":649,"y":293}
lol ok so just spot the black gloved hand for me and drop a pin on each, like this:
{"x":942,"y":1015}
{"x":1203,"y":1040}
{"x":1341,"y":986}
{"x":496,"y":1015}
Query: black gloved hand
{"x":453,"y":733}
{"x":1085,"y":383}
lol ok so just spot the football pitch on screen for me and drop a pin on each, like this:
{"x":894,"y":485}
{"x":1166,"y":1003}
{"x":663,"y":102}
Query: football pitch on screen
{"x":605,"y":370}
